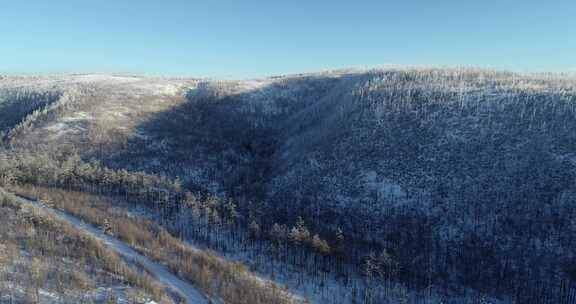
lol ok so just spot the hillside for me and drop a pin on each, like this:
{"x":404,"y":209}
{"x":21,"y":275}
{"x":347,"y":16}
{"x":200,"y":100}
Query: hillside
{"x":465,"y":178}
{"x":45,"y":260}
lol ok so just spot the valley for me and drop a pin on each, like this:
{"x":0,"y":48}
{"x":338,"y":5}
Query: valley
{"x":351,"y":186}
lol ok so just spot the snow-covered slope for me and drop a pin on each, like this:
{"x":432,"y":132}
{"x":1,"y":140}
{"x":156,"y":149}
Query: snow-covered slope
{"x":422,"y":162}
{"x":45,"y":259}
{"x":159,"y":272}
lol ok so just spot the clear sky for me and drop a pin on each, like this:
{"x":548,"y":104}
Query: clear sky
{"x":247,"y":38}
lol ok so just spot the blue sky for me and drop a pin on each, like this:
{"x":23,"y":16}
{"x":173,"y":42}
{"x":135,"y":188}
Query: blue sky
{"x":222,"y":38}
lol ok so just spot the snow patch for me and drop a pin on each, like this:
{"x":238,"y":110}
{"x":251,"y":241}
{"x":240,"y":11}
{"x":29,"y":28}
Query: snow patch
{"x":383,"y":187}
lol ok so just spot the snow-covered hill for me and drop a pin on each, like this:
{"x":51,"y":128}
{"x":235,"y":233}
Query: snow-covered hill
{"x":422,"y":162}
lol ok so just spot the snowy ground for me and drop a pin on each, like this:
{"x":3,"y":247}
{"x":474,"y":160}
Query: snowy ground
{"x":172,"y":282}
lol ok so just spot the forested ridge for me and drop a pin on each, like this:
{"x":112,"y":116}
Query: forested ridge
{"x":412,"y":185}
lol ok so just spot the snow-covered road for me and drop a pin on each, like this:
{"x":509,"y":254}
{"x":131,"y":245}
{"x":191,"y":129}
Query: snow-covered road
{"x":183,"y":288}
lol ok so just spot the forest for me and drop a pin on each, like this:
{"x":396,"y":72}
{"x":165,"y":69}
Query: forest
{"x":382,"y":186}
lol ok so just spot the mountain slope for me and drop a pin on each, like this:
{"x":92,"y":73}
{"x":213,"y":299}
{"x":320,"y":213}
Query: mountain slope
{"x":422,"y":163}
{"x":172,"y":282}
{"x":45,"y":260}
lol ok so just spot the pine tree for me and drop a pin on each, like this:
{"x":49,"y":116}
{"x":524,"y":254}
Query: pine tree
{"x":320,"y":245}
{"x":339,"y":246}
{"x":177,"y":184}
{"x":299,"y":234}
{"x":387,"y":266}
{"x":190,"y":200}
{"x":371,"y":269}
{"x":254,"y":229}
{"x":231,"y":213}
{"x":275,"y":232}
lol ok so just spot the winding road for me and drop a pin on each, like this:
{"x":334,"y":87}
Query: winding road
{"x":171,"y":281}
